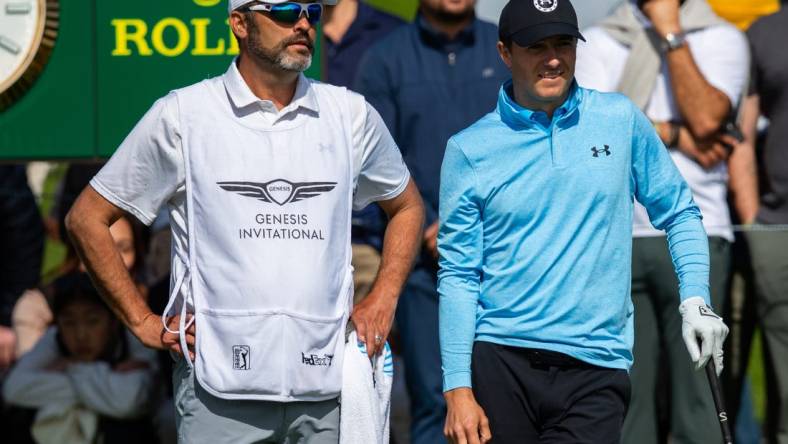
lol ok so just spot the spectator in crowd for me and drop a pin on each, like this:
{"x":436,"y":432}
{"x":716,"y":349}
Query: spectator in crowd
{"x":22,"y":241}
{"x":89,"y":380}
{"x":430,"y":79}
{"x":32,"y":315}
{"x":740,"y":305}
{"x":686,"y":69}
{"x":350,"y":28}
{"x":768,"y":243}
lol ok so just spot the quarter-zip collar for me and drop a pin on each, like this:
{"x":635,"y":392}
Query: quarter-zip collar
{"x":513,"y":114}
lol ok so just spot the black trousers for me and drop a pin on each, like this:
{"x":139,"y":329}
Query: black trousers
{"x":536,"y":396}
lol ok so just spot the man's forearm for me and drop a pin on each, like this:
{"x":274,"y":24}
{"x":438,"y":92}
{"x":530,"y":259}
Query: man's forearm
{"x":401,"y":243}
{"x":689,"y":249}
{"x":742,"y":166}
{"x":743,"y":182}
{"x":703,"y":107}
{"x":457,"y":328}
{"x":96,"y":248}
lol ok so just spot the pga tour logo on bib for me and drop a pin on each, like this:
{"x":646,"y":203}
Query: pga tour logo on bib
{"x":241,"y":357}
{"x":546,"y":5}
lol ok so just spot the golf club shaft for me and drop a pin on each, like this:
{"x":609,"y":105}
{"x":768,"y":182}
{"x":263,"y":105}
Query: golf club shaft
{"x":719,"y":403}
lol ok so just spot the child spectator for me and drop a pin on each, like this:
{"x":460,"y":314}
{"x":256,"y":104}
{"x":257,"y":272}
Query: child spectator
{"x":32,"y":314}
{"x":88,"y":379}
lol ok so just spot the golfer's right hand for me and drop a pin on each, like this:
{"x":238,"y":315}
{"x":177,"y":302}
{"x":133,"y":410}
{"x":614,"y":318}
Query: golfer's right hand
{"x":466,"y":422}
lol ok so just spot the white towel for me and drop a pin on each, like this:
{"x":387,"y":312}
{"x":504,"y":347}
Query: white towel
{"x":365,"y":401}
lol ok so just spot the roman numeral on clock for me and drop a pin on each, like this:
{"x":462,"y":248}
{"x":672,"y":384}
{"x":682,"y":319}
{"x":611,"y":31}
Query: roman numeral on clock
{"x":9,"y":45}
{"x":19,"y":8}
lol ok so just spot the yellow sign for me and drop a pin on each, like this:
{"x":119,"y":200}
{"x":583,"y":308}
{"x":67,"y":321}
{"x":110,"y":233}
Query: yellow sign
{"x":136,"y":37}
{"x":132,"y":38}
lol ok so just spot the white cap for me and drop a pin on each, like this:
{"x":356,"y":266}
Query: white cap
{"x":232,"y":5}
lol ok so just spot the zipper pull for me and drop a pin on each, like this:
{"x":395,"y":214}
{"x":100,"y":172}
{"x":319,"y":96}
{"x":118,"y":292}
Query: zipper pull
{"x":452,"y":59}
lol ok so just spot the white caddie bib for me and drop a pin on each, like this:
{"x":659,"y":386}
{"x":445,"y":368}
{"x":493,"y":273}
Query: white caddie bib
{"x":269,"y":246}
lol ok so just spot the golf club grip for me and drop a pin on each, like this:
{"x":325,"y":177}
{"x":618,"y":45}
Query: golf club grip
{"x":716,"y":393}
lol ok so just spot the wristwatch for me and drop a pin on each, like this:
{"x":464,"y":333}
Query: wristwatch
{"x":673,"y":41}
{"x":675,"y":132}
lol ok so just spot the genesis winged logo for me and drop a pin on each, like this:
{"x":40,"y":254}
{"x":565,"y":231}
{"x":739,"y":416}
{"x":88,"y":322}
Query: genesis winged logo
{"x":278,"y":191}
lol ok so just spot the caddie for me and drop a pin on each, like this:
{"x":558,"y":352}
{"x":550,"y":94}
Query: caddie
{"x":536,"y":207}
{"x":260,"y":169}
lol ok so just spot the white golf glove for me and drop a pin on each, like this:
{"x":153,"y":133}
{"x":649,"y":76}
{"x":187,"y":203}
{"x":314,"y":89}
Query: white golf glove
{"x":700,"y":322}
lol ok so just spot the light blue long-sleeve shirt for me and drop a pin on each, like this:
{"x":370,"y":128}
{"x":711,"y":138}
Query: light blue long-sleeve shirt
{"x":535,"y":232}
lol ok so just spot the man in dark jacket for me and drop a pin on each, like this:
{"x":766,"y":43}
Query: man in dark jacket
{"x":350,"y":28}
{"x":429,"y":80}
{"x":768,"y":239}
{"x":22,"y":241}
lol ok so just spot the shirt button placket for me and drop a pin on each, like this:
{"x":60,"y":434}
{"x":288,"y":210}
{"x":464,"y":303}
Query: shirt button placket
{"x":555,"y":147}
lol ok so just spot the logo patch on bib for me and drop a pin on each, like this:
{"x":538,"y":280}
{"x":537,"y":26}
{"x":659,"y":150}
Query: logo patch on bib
{"x":241,"y":357}
{"x":316,"y":360}
{"x":279,"y":191}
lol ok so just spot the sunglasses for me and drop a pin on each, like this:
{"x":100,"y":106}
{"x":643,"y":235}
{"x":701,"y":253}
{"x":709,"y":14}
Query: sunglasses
{"x":290,"y":12}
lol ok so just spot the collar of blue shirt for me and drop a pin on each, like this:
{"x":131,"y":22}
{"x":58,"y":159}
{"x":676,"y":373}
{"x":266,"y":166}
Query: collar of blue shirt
{"x":242,"y":96}
{"x":514,"y":114}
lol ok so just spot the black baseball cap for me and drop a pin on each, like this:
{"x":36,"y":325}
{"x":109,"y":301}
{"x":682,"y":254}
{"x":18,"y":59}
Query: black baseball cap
{"x":526,"y":22}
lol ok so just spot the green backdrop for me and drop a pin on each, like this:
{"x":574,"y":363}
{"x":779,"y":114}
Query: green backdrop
{"x":403,"y":8}
{"x":112,"y":60}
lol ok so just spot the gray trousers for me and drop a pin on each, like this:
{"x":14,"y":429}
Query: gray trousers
{"x":693,"y":418}
{"x":203,"y":418}
{"x":769,"y":259}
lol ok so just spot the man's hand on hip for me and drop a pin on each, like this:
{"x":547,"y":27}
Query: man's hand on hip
{"x":152,"y":334}
{"x":466,"y":422}
{"x":699,"y":322}
{"x":373,"y":317}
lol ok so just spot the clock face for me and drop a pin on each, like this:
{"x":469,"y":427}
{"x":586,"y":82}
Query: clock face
{"x":28,"y":29}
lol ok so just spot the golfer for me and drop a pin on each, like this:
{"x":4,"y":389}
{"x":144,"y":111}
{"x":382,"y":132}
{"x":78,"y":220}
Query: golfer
{"x":260,"y":169}
{"x":536,"y":203}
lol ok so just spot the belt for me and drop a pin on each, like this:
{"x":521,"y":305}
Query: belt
{"x":548,"y":358}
